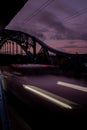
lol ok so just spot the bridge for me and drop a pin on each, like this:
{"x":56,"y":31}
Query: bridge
{"x":30,"y":96}
{"x":19,"y":43}
{"x":17,"y":47}
{"x":20,"y":47}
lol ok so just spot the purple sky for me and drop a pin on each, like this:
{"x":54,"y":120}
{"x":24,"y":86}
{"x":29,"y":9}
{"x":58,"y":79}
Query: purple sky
{"x":61,"y":24}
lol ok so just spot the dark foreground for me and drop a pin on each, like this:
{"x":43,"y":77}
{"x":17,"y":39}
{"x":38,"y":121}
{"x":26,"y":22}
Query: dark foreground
{"x":28,"y":110}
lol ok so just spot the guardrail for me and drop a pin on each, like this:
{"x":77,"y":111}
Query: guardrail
{"x":4,"y":121}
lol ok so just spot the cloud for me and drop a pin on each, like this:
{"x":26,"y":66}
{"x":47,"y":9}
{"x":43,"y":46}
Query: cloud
{"x":70,"y":46}
{"x":48,"y":24}
{"x":61,"y":31}
{"x":61,"y":49}
{"x":74,"y":46}
{"x":64,"y":7}
{"x":72,"y":42}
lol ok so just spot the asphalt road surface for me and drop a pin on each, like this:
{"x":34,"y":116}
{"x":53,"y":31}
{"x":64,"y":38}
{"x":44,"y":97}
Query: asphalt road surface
{"x":47,"y":101}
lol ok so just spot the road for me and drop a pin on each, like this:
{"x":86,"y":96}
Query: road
{"x":45,"y":101}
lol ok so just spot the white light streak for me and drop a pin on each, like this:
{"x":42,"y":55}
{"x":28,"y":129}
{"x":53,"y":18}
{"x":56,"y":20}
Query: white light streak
{"x":77,"y":87}
{"x":47,"y":95}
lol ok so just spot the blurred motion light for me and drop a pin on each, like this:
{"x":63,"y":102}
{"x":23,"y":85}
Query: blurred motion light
{"x":47,"y":96}
{"x":77,"y":87}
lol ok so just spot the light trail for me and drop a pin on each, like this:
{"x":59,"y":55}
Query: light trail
{"x":77,"y":87}
{"x":64,"y":103}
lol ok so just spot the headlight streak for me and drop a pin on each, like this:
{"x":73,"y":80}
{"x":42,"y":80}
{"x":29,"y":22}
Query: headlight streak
{"x":77,"y":87}
{"x":64,"y":103}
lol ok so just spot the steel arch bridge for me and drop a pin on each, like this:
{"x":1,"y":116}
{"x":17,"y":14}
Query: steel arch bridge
{"x":19,"y":43}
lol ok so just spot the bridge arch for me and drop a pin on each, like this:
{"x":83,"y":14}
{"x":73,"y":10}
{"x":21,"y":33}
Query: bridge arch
{"x":34,"y":48}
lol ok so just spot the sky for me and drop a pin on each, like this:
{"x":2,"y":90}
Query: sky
{"x":61,"y":24}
